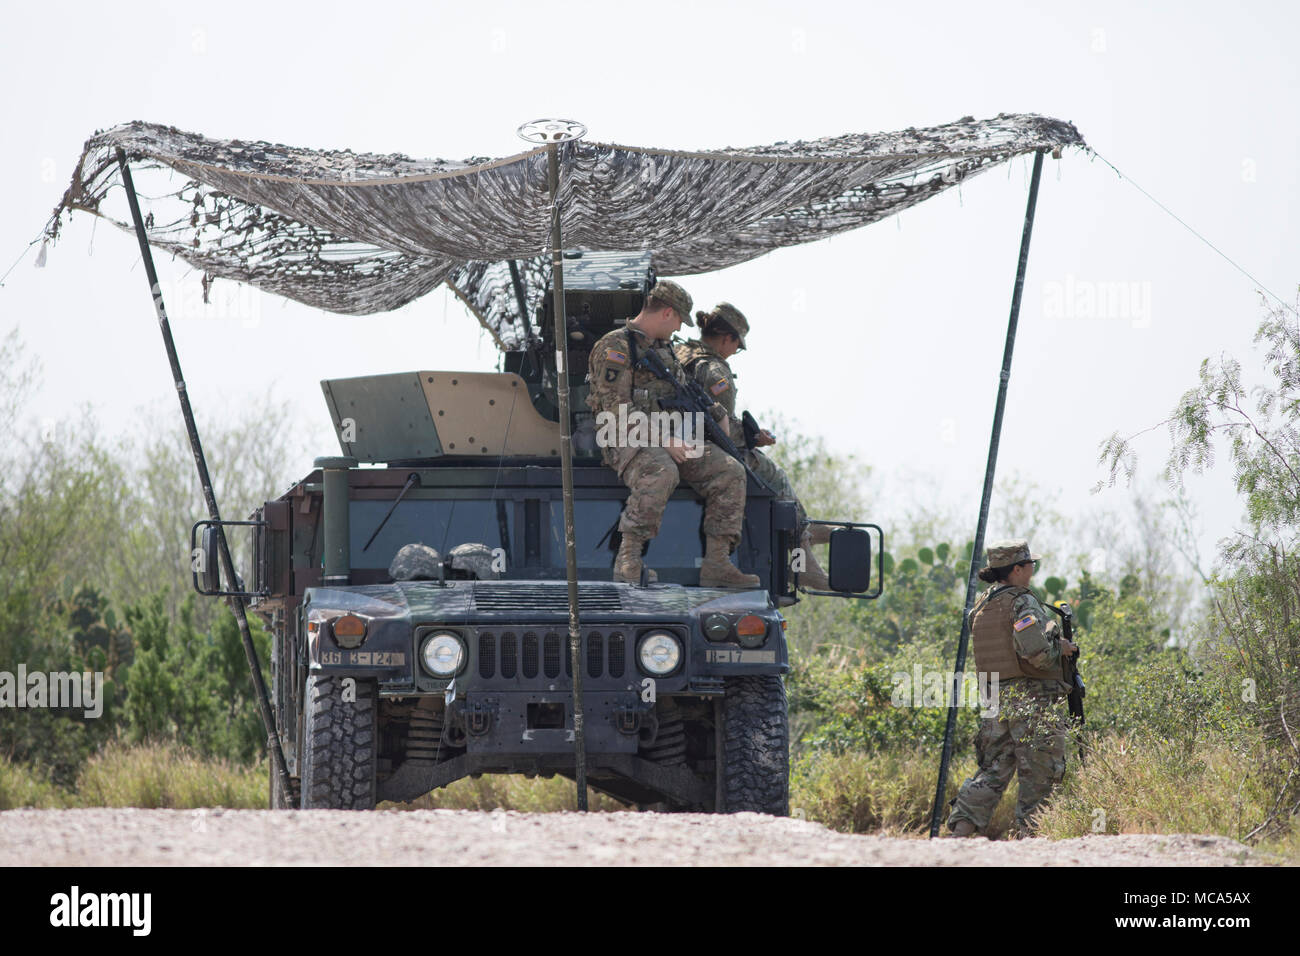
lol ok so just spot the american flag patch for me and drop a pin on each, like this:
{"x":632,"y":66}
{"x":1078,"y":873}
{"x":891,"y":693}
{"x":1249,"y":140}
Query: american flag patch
{"x":615,"y":356}
{"x":1024,"y":622}
{"x":719,"y":388}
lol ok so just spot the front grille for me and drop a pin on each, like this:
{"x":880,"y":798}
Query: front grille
{"x":508,"y":655}
{"x":543,"y":597}
{"x":530,"y":655}
{"x":551,"y":655}
{"x":505,"y":654}
{"x":617,"y":652}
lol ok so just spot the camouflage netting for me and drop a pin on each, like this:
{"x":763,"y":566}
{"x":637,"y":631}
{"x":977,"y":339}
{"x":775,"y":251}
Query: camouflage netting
{"x":359,"y":233}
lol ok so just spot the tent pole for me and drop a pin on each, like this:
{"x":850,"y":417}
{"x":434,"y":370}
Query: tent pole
{"x":566,"y":471}
{"x":228,"y":568}
{"x":981,"y":525}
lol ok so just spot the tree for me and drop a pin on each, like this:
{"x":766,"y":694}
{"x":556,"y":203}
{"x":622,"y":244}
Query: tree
{"x":1256,"y":594}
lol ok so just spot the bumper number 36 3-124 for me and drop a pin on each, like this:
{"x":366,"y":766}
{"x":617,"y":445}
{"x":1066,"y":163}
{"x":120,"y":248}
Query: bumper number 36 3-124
{"x":364,"y":658}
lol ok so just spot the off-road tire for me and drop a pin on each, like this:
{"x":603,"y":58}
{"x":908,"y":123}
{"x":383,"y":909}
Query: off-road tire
{"x":339,"y":747}
{"x":755,"y":763}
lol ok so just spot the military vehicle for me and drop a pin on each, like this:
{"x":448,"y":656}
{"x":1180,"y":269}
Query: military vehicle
{"x":413,"y":582}
{"x":395,"y":675}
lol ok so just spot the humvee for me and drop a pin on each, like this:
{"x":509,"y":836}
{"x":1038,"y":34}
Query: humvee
{"x":400,"y":667}
{"x":389,"y":680}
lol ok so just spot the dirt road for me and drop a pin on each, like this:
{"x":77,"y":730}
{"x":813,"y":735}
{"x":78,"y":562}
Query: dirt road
{"x":104,"y":837}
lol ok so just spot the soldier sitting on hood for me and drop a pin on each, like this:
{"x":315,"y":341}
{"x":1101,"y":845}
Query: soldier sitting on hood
{"x":722,"y":335}
{"x":651,"y":473}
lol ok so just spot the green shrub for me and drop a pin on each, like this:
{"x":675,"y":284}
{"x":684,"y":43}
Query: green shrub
{"x":168,"y":776}
{"x":20,"y":786}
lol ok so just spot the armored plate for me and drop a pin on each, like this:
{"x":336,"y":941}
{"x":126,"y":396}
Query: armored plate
{"x":411,"y":415}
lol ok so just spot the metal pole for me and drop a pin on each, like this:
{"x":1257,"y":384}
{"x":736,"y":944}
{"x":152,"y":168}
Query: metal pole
{"x":951,"y":726}
{"x":227,"y":566}
{"x":566,"y":471}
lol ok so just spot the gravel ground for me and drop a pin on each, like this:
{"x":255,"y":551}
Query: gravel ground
{"x":130,"y":837}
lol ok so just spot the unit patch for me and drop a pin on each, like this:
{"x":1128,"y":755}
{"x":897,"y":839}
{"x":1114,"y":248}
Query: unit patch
{"x":1024,"y":622}
{"x":612,"y":374}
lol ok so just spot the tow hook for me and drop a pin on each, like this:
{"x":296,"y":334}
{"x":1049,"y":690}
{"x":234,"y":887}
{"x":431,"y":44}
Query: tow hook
{"x":478,"y":719}
{"x":628,"y":720}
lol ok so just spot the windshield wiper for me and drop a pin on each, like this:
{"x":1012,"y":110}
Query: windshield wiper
{"x":412,"y":479}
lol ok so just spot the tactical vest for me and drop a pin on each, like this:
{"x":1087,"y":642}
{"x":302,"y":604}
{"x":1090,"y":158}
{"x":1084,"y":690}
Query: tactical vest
{"x":993,"y":639}
{"x":647,"y":388}
{"x":701,"y":362}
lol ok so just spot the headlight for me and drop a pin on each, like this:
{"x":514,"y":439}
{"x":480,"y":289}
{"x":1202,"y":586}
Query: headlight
{"x":659,"y":653}
{"x":442,"y":654}
{"x":717,"y":627}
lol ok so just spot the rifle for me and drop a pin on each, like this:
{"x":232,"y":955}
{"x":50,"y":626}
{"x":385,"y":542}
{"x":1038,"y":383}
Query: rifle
{"x":1070,"y":666}
{"x":692,"y":398}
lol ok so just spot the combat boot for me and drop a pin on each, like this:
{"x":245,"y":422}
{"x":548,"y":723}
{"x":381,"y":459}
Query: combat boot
{"x":812,"y":576}
{"x":963,"y":828}
{"x":717,"y":571}
{"x":627,"y":566}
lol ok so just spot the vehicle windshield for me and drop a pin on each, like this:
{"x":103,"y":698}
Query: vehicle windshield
{"x":529,"y":531}
{"x":440,"y":523}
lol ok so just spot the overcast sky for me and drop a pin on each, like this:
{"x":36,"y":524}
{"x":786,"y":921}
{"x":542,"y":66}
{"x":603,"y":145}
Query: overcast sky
{"x":886,"y":341}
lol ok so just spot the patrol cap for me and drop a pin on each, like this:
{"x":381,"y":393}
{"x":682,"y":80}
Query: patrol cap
{"x":731,"y":315}
{"x":666,"y":290}
{"x":1003,"y":554}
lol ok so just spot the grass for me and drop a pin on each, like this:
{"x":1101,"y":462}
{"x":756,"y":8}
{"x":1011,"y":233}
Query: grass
{"x":888,"y":793}
{"x":1133,"y":785}
{"x":1127,"y":786}
{"x":150,"y":776}
{"x":20,"y":786}
{"x":171,"y":777}
{"x":509,"y":792}
{"x":156,"y":776}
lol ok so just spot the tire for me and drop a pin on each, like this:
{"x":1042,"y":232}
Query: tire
{"x":756,"y":746}
{"x":338,"y":765}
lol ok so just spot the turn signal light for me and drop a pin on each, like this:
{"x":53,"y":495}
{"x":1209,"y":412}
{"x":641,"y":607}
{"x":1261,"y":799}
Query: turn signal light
{"x":349,"y":631}
{"x":751,"y":631}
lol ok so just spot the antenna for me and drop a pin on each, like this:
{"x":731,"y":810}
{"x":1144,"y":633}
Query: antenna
{"x":553,"y":133}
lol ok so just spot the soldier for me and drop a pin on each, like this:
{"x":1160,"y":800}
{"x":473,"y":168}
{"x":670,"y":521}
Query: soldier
{"x":1015,"y":643}
{"x":651,"y":473}
{"x":722,"y":335}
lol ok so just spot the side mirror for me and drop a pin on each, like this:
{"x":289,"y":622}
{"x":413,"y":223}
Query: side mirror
{"x":205,"y":560}
{"x":850,"y":560}
{"x":850,"y":565}
{"x":208,"y":573}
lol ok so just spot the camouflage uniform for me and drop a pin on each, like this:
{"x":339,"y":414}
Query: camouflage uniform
{"x":714,"y":375}
{"x":713,"y":372}
{"x":650,"y":473}
{"x":1028,"y":736}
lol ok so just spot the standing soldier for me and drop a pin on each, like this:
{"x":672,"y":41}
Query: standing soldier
{"x":722,"y":335}
{"x":651,"y":473}
{"x":1017,"y":644}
